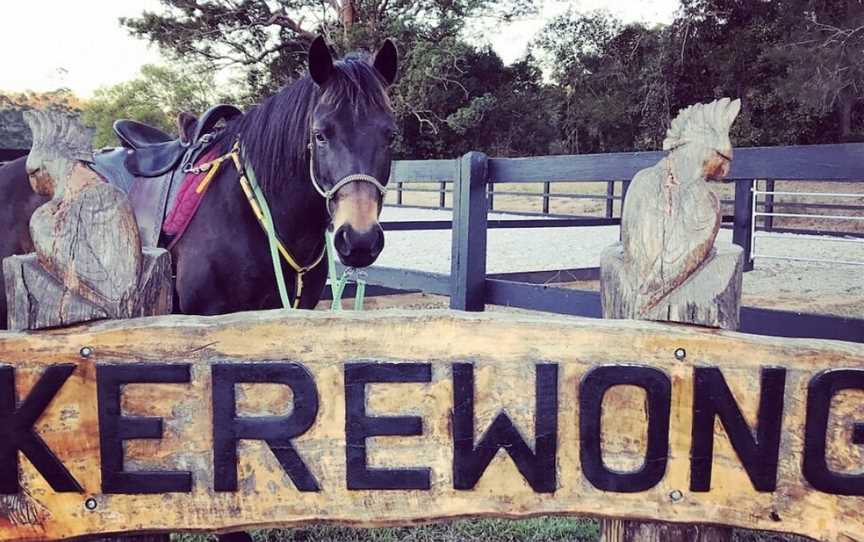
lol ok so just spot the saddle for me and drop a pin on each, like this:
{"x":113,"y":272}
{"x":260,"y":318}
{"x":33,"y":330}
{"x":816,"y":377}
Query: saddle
{"x":150,"y":164}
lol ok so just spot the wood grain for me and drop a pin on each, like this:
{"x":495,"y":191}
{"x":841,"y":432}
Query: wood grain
{"x":711,"y":296}
{"x":503,"y":350}
{"x":37,"y":299}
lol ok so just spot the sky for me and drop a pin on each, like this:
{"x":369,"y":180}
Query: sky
{"x":79,"y":44}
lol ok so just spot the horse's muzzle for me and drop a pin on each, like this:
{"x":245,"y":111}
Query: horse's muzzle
{"x":358,"y":248}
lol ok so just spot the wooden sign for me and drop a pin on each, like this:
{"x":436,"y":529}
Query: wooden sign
{"x":276,"y":419}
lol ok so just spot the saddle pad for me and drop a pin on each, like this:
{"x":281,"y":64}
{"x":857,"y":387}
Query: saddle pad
{"x":187,"y":202}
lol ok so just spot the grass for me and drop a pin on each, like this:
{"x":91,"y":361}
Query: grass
{"x":540,"y":529}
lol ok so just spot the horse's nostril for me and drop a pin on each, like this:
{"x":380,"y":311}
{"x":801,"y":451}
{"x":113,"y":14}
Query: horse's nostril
{"x":341,"y":242}
{"x":377,"y":242}
{"x":346,"y":242}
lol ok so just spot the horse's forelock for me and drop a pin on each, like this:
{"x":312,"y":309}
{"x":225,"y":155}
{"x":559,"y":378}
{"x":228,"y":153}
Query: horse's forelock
{"x":357,"y":82}
{"x":275,"y":133}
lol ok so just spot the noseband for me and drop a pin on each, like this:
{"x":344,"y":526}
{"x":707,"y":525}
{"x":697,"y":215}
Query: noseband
{"x":328,"y":195}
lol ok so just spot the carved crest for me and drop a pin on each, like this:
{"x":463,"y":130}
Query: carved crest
{"x":59,"y":141}
{"x":707,"y":124}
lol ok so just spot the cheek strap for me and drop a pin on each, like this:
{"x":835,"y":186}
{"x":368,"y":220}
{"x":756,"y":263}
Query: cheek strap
{"x":328,"y":195}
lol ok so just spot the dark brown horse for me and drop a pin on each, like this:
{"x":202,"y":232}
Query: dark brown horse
{"x":320,"y":150}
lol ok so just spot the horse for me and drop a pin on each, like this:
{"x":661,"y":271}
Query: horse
{"x":320,"y":150}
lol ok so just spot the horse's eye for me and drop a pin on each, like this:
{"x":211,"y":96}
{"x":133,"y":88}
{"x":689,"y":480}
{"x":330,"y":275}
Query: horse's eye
{"x":319,"y":137}
{"x":391,"y":137}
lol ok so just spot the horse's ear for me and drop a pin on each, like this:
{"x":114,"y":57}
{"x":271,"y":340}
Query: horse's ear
{"x":186,"y":123}
{"x":386,"y":61}
{"x":320,"y":61}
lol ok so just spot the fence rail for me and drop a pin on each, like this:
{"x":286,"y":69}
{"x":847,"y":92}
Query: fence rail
{"x":471,"y":181}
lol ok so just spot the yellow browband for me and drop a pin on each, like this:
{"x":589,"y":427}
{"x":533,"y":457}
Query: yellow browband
{"x":211,"y":168}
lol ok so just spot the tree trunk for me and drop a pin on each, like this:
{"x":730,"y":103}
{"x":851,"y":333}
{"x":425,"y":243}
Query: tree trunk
{"x":346,"y":15}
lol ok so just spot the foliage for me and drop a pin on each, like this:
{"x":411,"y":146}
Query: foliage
{"x":156,"y":97}
{"x":825,"y":54}
{"x":269,"y":37}
{"x":14,"y":132}
{"x":449,"y":92}
{"x":613,"y":81}
{"x":608,"y":86}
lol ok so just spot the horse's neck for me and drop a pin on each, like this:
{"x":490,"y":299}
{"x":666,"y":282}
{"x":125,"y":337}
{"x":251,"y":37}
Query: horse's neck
{"x":300,"y":218}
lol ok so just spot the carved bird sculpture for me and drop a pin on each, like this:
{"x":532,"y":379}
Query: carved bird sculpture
{"x":86,"y":235}
{"x":671,"y":216}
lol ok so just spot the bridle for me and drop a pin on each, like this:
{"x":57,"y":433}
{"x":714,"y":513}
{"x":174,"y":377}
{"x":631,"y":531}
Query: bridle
{"x":330,"y":193}
{"x":258,"y":203}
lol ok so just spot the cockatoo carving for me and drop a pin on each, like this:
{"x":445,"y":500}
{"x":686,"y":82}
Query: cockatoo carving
{"x":671,"y":217}
{"x":86,"y":235}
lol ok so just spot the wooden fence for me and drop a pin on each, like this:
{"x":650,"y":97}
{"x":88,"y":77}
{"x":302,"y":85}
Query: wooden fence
{"x":472,"y":176}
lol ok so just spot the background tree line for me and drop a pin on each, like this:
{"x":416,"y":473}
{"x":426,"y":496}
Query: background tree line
{"x":589,"y":83}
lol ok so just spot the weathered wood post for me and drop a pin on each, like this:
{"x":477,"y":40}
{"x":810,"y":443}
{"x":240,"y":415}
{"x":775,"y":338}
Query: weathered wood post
{"x":667,"y":267}
{"x":468,"y":260}
{"x":88,"y":262}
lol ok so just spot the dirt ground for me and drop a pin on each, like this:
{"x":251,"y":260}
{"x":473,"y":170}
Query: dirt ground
{"x":778,"y":284}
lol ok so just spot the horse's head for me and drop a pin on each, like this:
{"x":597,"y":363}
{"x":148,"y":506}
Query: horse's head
{"x":350,"y":136}
{"x":702,"y":131}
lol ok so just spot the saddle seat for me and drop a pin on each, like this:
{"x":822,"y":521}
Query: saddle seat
{"x":134,"y":134}
{"x":152,"y":152}
{"x":148,"y":165}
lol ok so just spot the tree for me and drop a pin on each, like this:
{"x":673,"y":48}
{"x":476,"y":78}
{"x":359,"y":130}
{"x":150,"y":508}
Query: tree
{"x":446,"y":89}
{"x":156,"y":97}
{"x":824,"y":49}
{"x":612,"y":80}
{"x":14,"y":132}
{"x":268,"y":38}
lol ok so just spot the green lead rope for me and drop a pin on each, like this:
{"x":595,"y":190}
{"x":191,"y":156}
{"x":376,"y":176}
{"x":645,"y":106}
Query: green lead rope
{"x":337,"y":284}
{"x":271,"y":238}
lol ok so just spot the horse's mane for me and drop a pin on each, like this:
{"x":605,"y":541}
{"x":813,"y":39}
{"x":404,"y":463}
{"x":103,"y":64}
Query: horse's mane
{"x":275,"y":133}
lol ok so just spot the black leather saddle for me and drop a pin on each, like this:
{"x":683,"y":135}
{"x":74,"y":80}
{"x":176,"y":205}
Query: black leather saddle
{"x":153,"y":152}
{"x":147,"y":166}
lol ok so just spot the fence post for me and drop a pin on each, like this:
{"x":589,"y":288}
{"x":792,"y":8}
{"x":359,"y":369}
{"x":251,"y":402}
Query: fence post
{"x":399,"y":193}
{"x":546,"y":191}
{"x":769,"y":205}
{"x":468,"y":261}
{"x":442,"y":194}
{"x":741,"y":231}
{"x":490,"y":189}
{"x":610,"y":193}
